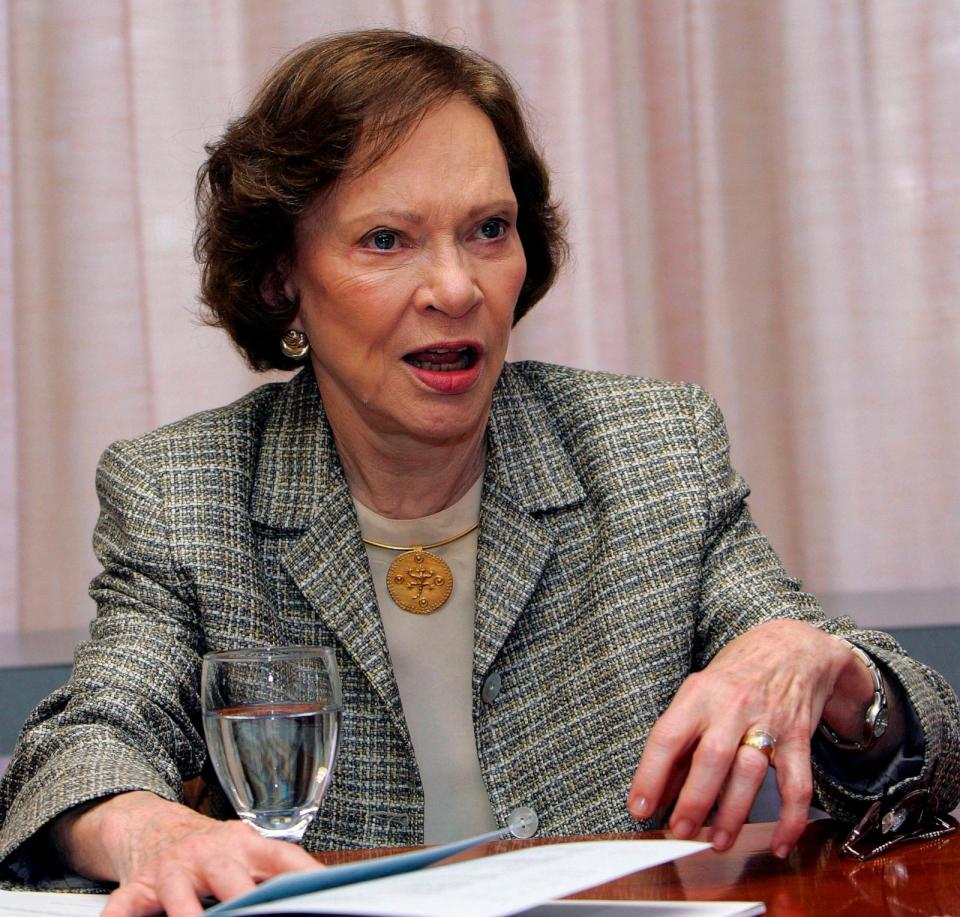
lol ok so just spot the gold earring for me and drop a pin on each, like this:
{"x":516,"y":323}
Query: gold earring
{"x":294,"y":344}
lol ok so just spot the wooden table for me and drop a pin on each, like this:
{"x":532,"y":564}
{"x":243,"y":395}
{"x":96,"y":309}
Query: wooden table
{"x":917,"y":879}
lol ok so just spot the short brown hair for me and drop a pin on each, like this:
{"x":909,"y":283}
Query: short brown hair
{"x":330,"y":101}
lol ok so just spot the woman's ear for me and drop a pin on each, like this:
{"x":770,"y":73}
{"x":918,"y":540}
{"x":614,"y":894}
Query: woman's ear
{"x":278,"y":287}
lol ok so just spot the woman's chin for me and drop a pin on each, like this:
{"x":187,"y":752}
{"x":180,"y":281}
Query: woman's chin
{"x":452,"y":421}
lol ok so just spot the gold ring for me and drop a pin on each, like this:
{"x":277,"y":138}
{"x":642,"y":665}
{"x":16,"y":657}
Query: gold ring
{"x":762,"y":741}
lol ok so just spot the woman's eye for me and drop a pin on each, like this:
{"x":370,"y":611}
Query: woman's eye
{"x":383,"y":240}
{"x":492,"y":229}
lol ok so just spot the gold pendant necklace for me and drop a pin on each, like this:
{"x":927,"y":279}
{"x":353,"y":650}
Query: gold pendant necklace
{"x":418,"y":581}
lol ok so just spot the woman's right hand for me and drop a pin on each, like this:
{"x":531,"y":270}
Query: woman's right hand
{"x":167,"y":857}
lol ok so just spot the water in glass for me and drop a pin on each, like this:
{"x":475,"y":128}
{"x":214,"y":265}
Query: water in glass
{"x":272,"y":719}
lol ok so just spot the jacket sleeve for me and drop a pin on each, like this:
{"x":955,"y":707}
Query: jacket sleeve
{"x":128,"y":718}
{"x":744,"y":584}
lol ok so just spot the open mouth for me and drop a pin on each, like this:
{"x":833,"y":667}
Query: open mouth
{"x":442,"y":359}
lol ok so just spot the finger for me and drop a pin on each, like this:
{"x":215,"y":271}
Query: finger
{"x":265,"y":856}
{"x":709,"y":768}
{"x":795,"y":782}
{"x":261,"y":859}
{"x":271,"y":857}
{"x":653,"y":778}
{"x":651,"y":803}
{"x":746,"y":778}
{"x":678,"y":776}
{"x":667,"y":746}
{"x":228,"y":878}
{"x":133,"y":900}
{"x":178,"y":893}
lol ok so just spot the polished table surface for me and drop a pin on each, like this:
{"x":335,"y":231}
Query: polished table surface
{"x":918,"y":878}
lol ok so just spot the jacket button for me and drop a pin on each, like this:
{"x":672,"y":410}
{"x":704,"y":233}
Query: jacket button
{"x":491,"y":687}
{"x":523,"y":822}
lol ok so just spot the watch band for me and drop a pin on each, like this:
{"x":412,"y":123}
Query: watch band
{"x":875,"y":722}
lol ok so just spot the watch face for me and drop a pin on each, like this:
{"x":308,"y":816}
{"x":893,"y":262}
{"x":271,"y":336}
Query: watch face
{"x":880,"y":723}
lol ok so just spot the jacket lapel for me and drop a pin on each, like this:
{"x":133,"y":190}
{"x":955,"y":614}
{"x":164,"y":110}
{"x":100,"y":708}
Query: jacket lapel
{"x":329,"y":565}
{"x":528,"y":473}
{"x":300,"y":497}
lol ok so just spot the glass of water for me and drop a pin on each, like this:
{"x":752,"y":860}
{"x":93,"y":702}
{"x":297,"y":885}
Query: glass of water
{"x":271,"y":716}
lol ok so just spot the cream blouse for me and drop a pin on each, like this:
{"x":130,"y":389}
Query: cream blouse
{"x":432,"y":658}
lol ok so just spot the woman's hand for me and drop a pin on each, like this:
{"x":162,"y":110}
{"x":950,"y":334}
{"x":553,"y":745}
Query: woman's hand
{"x":781,"y":677}
{"x":167,"y":857}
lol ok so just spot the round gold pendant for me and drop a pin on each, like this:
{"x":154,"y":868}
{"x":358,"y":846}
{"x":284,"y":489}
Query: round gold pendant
{"x":419,"y":582}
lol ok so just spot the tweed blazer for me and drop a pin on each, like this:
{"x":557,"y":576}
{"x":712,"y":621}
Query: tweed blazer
{"x":616,"y":555}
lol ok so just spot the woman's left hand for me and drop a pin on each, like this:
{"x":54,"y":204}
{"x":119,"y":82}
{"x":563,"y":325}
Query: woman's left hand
{"x":781,"y":677}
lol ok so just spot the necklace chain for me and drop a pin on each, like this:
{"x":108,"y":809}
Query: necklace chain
{"x":422,"y":547}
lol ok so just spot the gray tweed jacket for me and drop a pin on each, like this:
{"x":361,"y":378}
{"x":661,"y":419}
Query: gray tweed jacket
{"x":616,"y":554}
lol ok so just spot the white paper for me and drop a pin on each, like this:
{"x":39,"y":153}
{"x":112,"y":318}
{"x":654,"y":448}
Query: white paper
{"x":292,"y":884}
{"x":584,"y":908}
{"x":63,"y":904}
{"x":489,"y":887}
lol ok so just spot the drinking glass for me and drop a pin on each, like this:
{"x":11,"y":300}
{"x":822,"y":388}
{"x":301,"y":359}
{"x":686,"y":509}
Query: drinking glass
{"x":271,"y":716}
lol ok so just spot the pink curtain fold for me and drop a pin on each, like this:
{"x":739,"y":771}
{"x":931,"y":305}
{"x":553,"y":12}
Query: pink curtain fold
{"x":764,"y":198}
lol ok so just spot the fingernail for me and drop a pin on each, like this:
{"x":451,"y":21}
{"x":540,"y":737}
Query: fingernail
{"x":640,"y":807}
{"x":720,"y":840}
{"x":783,"y":851}
{"x":683,"y":829}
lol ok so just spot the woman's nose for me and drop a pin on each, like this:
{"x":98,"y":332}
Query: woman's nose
{"x":449,"y":284}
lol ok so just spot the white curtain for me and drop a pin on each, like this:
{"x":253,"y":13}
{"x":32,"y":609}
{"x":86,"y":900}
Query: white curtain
{"x":764,"y":198}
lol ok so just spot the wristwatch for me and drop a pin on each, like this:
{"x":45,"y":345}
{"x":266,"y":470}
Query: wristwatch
{"x":875,"y":722}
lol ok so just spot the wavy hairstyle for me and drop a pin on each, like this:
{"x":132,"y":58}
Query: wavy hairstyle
{"x":335,"y":107}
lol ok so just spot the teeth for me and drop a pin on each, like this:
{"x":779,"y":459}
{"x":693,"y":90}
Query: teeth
{"x":441,"y":367}
{"x":457,"y":358}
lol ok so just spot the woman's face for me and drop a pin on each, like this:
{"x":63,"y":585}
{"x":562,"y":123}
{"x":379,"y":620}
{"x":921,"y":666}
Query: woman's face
{"x":407,"y":277}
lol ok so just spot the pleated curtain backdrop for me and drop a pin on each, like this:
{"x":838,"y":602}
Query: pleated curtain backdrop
{"x":764,"y":198}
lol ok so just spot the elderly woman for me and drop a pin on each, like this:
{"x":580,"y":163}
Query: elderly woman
{"x":381,"y":216}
